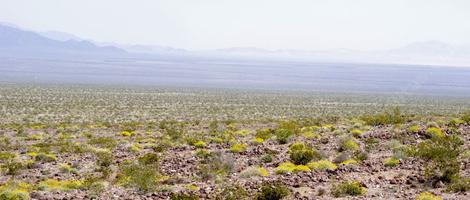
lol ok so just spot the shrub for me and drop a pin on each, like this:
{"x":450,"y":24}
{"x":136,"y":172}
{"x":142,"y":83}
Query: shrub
{"x":267,"y":158}
{"x":232,"y":192}
{"x":442,"y":155}
{"x":216,"y":164}
{"x":274,"y":191}
{"x":461,"y":184}
{"x":466,"y":117}
{"x":149,"y":159}
{"x":200,"y":144}
{"x":104,"y":159}
{"x":434,"y":132}
{"x":142,"y":177}
{"x":393,"y":116}
{"x":391,"y":162}
{"x":254,"y":171}
{"x":45,"y":157}
{"x":183,"y":197}
{"x":349,"y":162}
{"x":360,"y":155}
{"x":414,"y":128}
{"x":201,"y":153}
{"x":12,"y":167}
{"x":264,"y":134}
{"x":456,"y":122}
{"x":356,"y":132}
{"x":322,"y":165}
{"x":353,"y":188}
{"x":14,"y":191}
{"x":257,"y":140}
{"x":371,"y":143}
{"x":66,"y":168}
{"x":103,"y":142}
{"x":288,"y":167}
{"x":238,"y":148}
{"x":428,"y":196}
{"x":127,"y":133}
{"x":283,"y":135}
{"x":300,"y":154}
{"x":56,"y":185}
{"x":348,"y":144}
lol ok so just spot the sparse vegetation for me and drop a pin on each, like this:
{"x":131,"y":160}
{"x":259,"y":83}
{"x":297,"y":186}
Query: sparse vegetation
{"x":352,"y":188}
{"x":207,"y":146}
{"x":273,"y":191}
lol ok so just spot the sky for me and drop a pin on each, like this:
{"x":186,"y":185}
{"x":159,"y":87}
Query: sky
{"x":270,"y":24}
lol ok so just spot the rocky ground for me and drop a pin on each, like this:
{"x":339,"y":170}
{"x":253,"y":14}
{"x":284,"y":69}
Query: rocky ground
{"x":201,"y":159}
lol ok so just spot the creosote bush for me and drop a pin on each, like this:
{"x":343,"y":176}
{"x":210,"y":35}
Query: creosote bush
{"x":58,"y":185}
{"x":274,"y":191}
{"x":301,"y":154}
{"x":238,"y":148}
{"x":322,"y":165}
{"x":352,"y":188}
{"x":393,"y":116}
{"x":441,"y":155}
{"x":283,"y":135}
{"x":391,"y":162}
{"x":349,"y":144}
{"x":428,"y":196}
{"x":232,"y":192}
{"x":14,"y":190}
{"x":288,"y":167}
{"x":254,"y":171}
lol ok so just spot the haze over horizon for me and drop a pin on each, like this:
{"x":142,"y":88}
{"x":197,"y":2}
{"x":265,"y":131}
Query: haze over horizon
{"x":209,"y":24}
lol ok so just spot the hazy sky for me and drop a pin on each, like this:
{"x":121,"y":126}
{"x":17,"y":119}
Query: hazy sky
{"x":271,"y":24}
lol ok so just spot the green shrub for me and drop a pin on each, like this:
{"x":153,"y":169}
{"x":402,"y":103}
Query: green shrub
{"x":46,"y":157}
{"x":428,"y":196}
{"x":391,"y":162}
{"x":283,"y":135}
{"x":103,"y":142}
{"x":274,"y":191}
{"x":264,"y":134}
{"x":12,"y":167}
{"x":142,"y":177}
{"x":388,"y":117}
{"x":13,"y":190}
{"x":461,"y":184}
{"x":349,"y":162}
{"x":151,"y":159}
{"x":322,"y":165}
{"x":356,"y":132}
{"x":414,"y":128}
{"x":300,"y":154}
{"x":441,"y":156}
{"x":238,"y":148}
{"x":233,"y":192}
{"x":183,"y":197}
{"x":353,"y":188}
{"x":66,"y":168}
{"x":57,"y":185}
{"x":217,"y":164}
{"x":267,"y":158}
{"x":348,"y":144}
{"x":200,"y":144}
{"x":434,"y":132}
{"x":127,"y":133}
{"x":201,"y":153}
{"x":288,"y":167}
{"x":466,"y":117}
{"x":254,"y":171}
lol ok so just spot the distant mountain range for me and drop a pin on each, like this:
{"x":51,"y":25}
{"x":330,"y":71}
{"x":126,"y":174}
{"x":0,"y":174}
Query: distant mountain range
{"x":17,"y":41}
